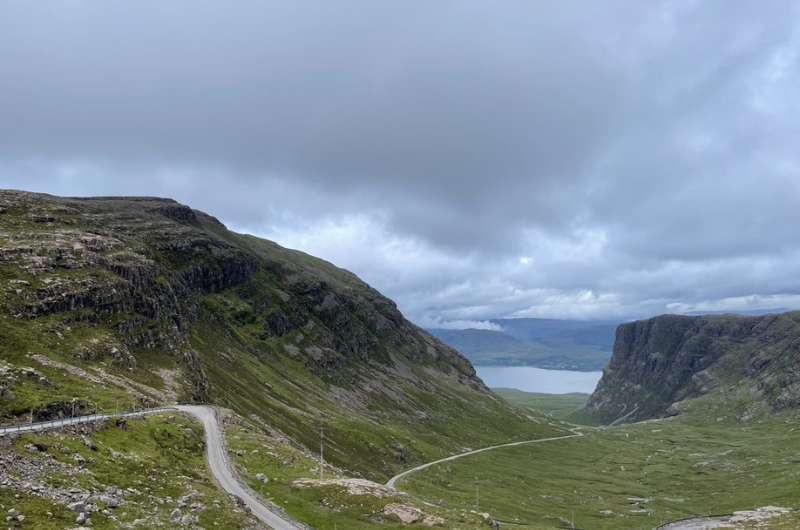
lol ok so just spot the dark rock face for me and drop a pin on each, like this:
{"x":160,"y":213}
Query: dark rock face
{"x":660,"y":362}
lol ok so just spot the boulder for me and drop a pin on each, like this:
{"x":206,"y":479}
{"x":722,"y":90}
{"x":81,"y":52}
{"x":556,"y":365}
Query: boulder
{"x":404,"y":513}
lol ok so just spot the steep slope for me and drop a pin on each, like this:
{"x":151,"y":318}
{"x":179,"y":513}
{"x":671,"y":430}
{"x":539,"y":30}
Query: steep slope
{"x":747,"y":365}
{"x":110,"y":300}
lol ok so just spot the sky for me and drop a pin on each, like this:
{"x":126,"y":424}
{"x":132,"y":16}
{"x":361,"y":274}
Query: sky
{"x":471,"y":160}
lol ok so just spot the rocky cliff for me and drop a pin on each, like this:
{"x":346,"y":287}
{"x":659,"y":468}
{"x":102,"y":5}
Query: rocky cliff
{"x":659,"y":366}
{"x":134,"y":298}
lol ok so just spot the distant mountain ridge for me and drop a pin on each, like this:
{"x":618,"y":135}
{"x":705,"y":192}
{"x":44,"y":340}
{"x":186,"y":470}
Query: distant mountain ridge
{"x":540,"y":342}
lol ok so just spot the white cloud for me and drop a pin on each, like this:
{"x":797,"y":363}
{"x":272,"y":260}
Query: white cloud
{"x":739,"y":303}
{"x":463,"y":324}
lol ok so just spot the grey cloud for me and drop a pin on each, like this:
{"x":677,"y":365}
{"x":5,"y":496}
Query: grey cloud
{"x":637,"y":154}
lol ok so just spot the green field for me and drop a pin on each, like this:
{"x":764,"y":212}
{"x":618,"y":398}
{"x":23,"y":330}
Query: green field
{"x":556,"y":405}
{"x":627,"y":477}
{"x":630,"y":477}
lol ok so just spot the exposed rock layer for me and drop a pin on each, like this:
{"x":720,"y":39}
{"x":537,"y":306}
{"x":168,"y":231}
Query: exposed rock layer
{"x":150,"y":260}
{"x":661,"y":362}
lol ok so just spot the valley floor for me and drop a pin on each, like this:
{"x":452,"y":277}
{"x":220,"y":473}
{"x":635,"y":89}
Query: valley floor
{"x":151,"y":471}
{"x":630,"y":477}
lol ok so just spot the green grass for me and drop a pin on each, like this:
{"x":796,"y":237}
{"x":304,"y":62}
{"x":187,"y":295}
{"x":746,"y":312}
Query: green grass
{"x":324,"y":508}
{"x":376,"y":438}
{"x":385,"y":395}
{"x":558,"y":406}
{"x":59,"y":338}
{"x":375,"y":424}
{"x":158,"y":457}
{"x":685,"y":467}
{"x":253,"y":452}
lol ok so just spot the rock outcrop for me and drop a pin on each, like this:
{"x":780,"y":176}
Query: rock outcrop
{"x":151,"y":260}
{"x":660,"y":363}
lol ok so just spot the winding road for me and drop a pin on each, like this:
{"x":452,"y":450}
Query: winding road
{"x":393,"y":481}
{"x":217,"y":457}
{"x":222,"y":470}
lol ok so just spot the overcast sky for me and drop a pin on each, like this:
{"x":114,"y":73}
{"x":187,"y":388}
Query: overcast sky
{"x":469,"y":159}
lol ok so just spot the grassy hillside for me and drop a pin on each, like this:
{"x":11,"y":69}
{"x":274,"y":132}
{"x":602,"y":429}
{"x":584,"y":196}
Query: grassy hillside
{"x":110,"y":302}
{"x":114,"y":301}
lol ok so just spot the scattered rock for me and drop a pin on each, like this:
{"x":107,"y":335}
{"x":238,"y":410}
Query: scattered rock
{"x":188,"y":519}
{"x":405,"y":513}
{"x":758,"y":515}
{"x":493,"y":523}
{"x":110,"y":500}
{"x":262,"y":478}
{"x":432,"y":520}
{"x":354,"y":486}
{"x":88,"y":442}
{"x":78,"y":506}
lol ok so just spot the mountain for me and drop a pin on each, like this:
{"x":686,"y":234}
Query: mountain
{"x":745,"y":365}
{"x":483,"y":346}
{"x":112,"y":300}
{"x":545,"y":343}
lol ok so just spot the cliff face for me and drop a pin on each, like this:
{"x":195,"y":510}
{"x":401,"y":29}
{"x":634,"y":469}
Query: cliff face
{"x":147,"y":298}
{"x":749,"y":362}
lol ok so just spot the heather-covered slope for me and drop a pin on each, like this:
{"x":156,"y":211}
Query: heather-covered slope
{"x":745,"y":365}
{"x":110,"y":300}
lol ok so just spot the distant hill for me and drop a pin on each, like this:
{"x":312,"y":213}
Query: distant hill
{"x":544,"y":343}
